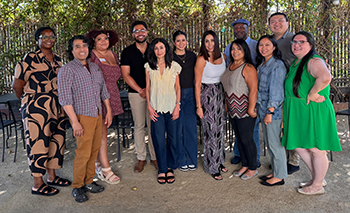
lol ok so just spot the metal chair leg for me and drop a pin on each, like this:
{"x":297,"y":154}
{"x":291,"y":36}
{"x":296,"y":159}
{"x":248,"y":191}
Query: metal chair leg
{"x":14,"y":159}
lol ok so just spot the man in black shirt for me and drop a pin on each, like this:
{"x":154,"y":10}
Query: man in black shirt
{"x":133,"y":59}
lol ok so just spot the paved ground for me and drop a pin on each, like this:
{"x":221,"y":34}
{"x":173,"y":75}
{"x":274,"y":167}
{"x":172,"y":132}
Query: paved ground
{"x":192,"y":191}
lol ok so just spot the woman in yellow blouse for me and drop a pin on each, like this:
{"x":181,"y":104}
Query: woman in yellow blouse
{"x":163,"y":102}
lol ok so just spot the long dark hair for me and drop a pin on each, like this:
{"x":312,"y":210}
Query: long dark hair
{"x":204,"y":52}
{"x":70,"y":46}
{"x":241,"y":43}
{"x":276,"y":53}
{"x":152,"y":58}
{"x":297,"y":79}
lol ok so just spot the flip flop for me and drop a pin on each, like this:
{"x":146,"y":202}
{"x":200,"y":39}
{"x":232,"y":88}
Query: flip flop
{"x":59,"y":182}
{"x":45,"y":190}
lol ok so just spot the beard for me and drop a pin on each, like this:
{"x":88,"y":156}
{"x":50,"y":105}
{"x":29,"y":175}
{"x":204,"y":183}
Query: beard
{"x":140,"y":41}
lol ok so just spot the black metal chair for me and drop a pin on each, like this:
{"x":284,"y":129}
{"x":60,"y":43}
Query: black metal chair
{"x":123,"y":121}
{"x":5,"y":123}
{"x":14,"y":107}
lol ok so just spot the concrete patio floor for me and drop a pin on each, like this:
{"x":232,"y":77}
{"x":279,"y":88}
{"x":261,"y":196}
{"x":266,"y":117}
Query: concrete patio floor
{"x":193,"y":191}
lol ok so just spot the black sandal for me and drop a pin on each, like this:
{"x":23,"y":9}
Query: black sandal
{"x":217,"y":176}
{"x":59,"y":182}
{"x":170,"y":176}
{"x":162,"y":178}
{"x":223,"y":169}
{"x":45,"y":190}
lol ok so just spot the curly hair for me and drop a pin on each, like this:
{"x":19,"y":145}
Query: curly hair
{"x":111,"y":34}
{"x":70,"y":46}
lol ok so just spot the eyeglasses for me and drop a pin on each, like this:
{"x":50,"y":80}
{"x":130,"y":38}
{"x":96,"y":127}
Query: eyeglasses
{"x":45,"y":38}
{"x":298,"y":42}
{"x":139,"y":31}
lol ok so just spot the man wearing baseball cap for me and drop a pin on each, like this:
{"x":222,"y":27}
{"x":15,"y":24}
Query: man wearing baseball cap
{"x":240,"y":30}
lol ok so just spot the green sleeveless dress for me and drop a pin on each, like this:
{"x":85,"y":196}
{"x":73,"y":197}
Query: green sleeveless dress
{"x":308,"y":126}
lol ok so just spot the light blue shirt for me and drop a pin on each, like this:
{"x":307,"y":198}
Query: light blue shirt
{"x":271,"y":88}
{"x":252,"y":46}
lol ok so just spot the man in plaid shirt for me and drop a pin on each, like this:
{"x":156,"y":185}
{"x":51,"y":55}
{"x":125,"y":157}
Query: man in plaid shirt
{"x":81,"y":88}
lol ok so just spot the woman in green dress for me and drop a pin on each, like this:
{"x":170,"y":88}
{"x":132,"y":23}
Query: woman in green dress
{"x":308,"y":115}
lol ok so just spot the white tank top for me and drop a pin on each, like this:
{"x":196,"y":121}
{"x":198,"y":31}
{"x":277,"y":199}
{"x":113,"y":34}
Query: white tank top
{"x":212,"y":72}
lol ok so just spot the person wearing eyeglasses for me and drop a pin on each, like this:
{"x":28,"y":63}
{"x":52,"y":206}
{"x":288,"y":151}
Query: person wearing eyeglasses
{"x":279,"y":24}
{"x":81,"y":89}
{"x":102,"y":55}
{"x":308,"y":115}
{"x":43,"y":118}
{"x":133,"y":59}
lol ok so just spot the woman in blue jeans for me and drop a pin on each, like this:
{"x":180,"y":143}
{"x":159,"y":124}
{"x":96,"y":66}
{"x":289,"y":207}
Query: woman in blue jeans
{"x":163,"y":102}
{"x":271,"y":75}
{"x":187,"y":145}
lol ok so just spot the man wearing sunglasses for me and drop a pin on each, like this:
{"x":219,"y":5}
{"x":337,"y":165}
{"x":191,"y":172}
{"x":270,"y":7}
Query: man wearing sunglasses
{"x":133,"y":59}
{"x":279,"y":24}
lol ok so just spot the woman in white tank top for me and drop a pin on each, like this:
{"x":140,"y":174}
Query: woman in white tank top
{"x":209,"y":67}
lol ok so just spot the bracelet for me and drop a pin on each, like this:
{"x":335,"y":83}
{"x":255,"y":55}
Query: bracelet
{"x":179,"y":103}
{"x":199,"y":107}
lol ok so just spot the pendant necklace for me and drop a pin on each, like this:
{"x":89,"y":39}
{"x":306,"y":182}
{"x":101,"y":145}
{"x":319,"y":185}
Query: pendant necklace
{"x":182,"y":58}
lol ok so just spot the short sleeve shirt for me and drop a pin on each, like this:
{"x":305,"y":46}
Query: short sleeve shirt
{"x":133,"y":57}
{"x":163,"y":94}
{"x":38,"y":73}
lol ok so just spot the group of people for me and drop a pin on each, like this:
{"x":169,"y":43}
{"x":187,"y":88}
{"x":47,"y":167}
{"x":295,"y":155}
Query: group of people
{"x":278,"y":81}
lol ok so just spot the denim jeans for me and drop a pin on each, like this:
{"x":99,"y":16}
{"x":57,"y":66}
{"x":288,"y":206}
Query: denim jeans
{"x":256,"y":136}
{"x":165,"y":148}
{"x":187,"y":131}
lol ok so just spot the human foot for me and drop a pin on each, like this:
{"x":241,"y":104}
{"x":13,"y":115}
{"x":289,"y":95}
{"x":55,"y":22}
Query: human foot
{"x":161,"y":179}
{"x":106,"y":174}
{"x":266,"y":177}
{"x":57,"y":181}
{"x":240,"y":172}
{"x":45,"y":190}
{"x":324,"y":183}
{"x":170,"y":176}
{"x":309,"y":190}
{"x":249,"y":174}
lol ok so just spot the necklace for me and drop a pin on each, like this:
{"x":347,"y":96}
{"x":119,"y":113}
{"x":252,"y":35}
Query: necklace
{"x":182,"y":58}
{"x":104,"y":56}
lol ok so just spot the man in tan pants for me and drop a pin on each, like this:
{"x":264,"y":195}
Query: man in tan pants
{"x":133,"y":59}
{"x":83,"y":107}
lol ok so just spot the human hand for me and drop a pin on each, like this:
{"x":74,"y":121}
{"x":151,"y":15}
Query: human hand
{"x":78,"y":130}
{"x":176,"y":112}
{"x":252,"y":113}
{"x":108,"y":119}
{"x":199,"y":112}
{"x":268,"y":119}
{"x":142,"y":93}
{"x":152,"y":114}
{"x":315,"y":97}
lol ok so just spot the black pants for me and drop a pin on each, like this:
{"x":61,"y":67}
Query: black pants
{"x":244,"y":129}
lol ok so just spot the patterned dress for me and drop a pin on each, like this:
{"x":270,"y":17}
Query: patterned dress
{"x":43,"y":118}
{"x":111,"y":74}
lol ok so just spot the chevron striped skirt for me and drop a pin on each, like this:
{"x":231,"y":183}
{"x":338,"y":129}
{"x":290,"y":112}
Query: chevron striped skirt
{"x":212,"y":100}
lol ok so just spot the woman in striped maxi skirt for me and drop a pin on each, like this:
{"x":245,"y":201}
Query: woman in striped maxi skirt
{"x":209,"y":67}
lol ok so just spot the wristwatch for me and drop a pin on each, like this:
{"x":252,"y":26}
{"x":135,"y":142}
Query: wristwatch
{"x":269,"y":112}
{"x":178,"y":102}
